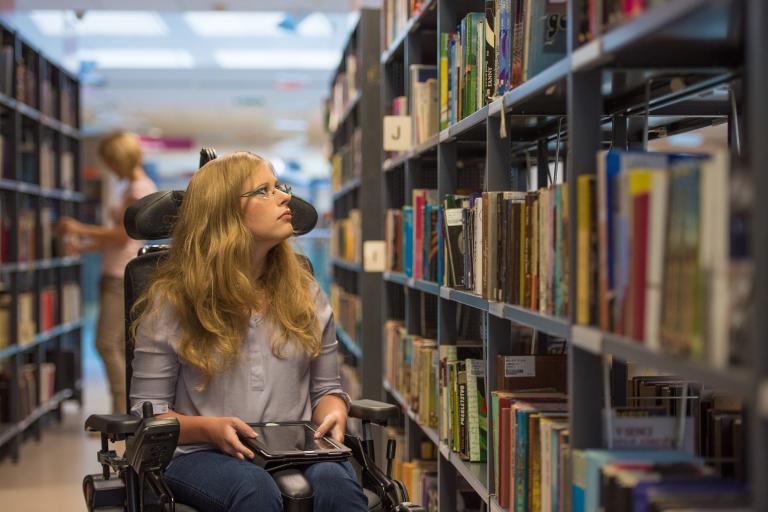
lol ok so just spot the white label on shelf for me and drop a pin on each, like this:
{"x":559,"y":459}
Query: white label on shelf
{"x":586,"y":55}
{"x":445,"y":292}
{"x":496,"y":309}
{"x":762,"y":398}
{"x":373,"y":255}
{"x":444,"y":135}
{"x":411,"y":283}
{"x":519,"y":366}
{"x":397,"y":133}
{"x":587,"y":338}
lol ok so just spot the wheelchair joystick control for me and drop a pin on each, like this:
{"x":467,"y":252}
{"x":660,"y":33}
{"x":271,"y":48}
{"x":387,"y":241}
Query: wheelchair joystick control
{"x":391,"y":449}
{"x":147,"y":410}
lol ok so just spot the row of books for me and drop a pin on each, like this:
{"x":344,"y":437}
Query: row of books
{"x":419,"y":475}
{"x":505,"y":246}
{"x":410,"y":371}
{"x":530,"y":417}
{"x":26,"y":80}
{"x":345,"y":87}
{"x":28,"y":324}
{"x":420,"y":105}
{"x":496,"y":50}
{"x":44,"y":173}
{"x":346,"y":241}
{"x":28,"y":389}
{"x":347,"y":162}
{"x":347,"y":310}
{"x":57,"y":97}
{"x":423,"y":101}
{"x":653,"y":251}
{"x":51,"y":246}
{"x":396,"y":14}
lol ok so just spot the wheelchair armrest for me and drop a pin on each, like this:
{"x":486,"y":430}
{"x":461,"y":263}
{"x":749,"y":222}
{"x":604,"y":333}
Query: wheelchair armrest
{"x":372,"y":410}
{"x":111,"y":424}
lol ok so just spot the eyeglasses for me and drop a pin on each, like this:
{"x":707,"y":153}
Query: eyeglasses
{"x":267,"y":193}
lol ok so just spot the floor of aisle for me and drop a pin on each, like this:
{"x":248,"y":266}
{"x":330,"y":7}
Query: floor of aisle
{"x":49,"y":473}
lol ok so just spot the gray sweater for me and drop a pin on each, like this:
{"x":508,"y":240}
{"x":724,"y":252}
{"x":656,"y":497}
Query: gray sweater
{"x":259,"y":387}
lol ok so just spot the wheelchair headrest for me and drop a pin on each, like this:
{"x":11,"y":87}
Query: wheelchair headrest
{"x":152,"y":217}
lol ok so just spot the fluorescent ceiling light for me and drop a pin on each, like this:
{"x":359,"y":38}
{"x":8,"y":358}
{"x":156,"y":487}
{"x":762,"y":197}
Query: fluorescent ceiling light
{"x":138,"y":58}
{"x":277,"y":59}
{"x":291,"y":125}
{"x":235,"y":24}
{"x":98,"y":23}
{"x":315,"y":25}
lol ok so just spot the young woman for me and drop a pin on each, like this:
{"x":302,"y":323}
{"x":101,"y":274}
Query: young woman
{"x":236,"y":330}
{"x":121,"y":152}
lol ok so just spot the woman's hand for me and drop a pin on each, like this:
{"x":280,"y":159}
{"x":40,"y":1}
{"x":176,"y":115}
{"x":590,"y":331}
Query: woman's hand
{"x":222,"y":433}
{"x":68,"y":226}
{"x":335,"y":423}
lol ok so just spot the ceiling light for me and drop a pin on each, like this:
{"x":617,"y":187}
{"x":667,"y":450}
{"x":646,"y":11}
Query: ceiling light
{"x":138,"y":58}
{"x":235,"y":24}
{"x":97,"y":23}
{"x":277,"y":59}
{"x":315,"y":25}
{"x":291,"y":125}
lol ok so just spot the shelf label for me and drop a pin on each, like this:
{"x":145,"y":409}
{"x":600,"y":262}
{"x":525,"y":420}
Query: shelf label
{"x":445,"y":292}
{"x":444,"y":135}
{"x":397,"y":133}
{"x":496,"y":309}
{"x":373,"y":255}
{"x":587,"y":338}
{"x":411,"y":283}
{"x":587,"y":55}
{"x":519,"y":366}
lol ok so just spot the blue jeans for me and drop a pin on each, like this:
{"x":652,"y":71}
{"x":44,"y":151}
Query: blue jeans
{"x":213,"y":481}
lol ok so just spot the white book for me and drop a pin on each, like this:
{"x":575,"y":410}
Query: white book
{"x":655,"y":258}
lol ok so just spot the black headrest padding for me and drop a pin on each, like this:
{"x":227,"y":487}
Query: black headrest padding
{"x":152,"y":216}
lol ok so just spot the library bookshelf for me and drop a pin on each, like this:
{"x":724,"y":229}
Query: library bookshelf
{"x":40,"y":296}
{"x":354,"y":121}
{"x":675,"y":68}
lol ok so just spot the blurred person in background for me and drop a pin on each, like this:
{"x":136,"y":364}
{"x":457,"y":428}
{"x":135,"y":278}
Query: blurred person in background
{"x":121,"y":153}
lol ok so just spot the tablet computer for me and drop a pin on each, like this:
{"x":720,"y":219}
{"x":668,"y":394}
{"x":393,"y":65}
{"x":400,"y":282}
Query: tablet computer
{"x":290,"y":443}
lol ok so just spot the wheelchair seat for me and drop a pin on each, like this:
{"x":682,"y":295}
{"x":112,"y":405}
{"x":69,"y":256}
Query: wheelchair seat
{"x":150,"y":441}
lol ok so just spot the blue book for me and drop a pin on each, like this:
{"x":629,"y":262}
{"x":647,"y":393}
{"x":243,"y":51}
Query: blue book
{"x":408,"y":241}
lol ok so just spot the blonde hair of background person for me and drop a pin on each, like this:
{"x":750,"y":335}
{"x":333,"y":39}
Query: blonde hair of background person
{"x":121,"y":152}
{"x":209,"y":280}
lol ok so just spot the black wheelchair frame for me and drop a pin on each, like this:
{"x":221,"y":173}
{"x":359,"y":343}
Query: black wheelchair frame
{"x":134,"y":481}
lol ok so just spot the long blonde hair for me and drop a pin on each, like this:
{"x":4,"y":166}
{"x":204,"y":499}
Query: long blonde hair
{"x":207,"y":278}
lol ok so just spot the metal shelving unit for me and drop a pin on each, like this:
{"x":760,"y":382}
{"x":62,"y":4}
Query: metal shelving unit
{"x":41,"y":107}
{"x":363,"y":192}
{"x":598,"y":89}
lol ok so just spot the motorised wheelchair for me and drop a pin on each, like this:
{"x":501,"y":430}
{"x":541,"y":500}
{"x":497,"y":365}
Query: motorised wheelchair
{"x":134,"y":481}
